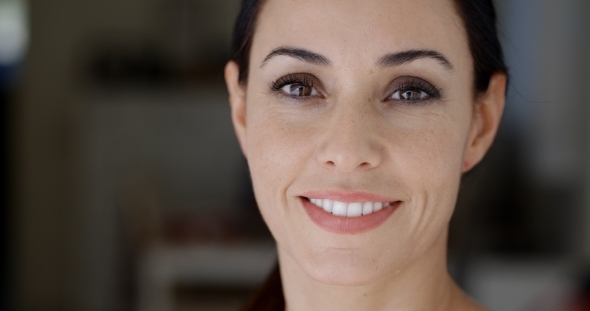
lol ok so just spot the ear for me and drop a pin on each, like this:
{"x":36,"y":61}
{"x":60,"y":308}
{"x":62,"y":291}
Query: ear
{"x":237,"y":101}
{"x":487,"y":113}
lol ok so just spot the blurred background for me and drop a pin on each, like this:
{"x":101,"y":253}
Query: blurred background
{"x":125,"y":188}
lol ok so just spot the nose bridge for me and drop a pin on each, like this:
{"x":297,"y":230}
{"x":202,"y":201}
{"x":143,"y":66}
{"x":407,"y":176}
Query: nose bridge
{"x":349,"y":142}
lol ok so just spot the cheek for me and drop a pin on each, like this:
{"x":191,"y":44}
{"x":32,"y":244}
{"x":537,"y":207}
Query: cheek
{"x":276,"y":149}
{"x":278,"y":152}
{"x":427,"y":146}
{"x":428,"y":158}
{"x":432,"y":155}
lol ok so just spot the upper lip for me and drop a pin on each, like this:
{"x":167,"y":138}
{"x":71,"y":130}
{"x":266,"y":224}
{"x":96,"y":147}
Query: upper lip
{"x":347,"y":196}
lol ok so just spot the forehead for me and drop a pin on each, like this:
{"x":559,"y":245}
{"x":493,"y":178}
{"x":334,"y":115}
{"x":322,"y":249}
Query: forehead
{"x":361,"y":29}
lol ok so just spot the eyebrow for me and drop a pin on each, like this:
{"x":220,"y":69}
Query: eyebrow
{"x":404,"y":57}
{"x":301,"y":54}
{"x":393,"y":59}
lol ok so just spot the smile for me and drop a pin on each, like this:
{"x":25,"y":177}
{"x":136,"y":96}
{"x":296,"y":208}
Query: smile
{"x":348,"y":213}
{"x":354,"y":209}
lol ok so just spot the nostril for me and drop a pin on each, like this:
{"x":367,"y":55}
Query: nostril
{"x":347,"y":157}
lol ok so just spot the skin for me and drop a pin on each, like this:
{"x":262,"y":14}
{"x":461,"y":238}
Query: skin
{"x":354,"y":136}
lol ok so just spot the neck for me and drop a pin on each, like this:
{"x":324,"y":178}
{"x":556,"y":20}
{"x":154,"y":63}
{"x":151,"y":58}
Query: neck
{"x":423,"y":285}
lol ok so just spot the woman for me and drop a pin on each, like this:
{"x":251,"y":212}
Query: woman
{"x":358,"y":119}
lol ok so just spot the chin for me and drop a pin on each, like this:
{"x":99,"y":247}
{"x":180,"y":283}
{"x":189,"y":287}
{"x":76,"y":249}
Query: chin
{"x":347,"y":268}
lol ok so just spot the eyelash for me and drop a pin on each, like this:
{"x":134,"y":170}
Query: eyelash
{"x":419,"y":85}
{"x":412,"y":83}
{"x":275,"y":86}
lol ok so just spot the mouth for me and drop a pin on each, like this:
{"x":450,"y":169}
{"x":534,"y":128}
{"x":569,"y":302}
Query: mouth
{"x":345,"y":216}
{"x":344,"y":209}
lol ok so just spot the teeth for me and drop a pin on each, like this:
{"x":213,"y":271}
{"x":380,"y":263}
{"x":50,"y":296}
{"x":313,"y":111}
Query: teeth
{"x":354,"y":209}
{"x":339,"y":208}
{"x":367,"y":208}
{"x":328,"y":204}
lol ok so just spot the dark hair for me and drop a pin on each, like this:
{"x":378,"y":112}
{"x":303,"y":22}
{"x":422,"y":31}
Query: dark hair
{"x":243,"y":34}
{"x":479,"y":20}
{"x":269,"y":297}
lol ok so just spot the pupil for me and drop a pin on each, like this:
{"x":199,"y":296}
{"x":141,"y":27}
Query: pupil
{"x":410,"y":95}
{"x":300,"y":90}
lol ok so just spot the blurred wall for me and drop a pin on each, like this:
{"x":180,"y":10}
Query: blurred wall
{"x":47,"y":147}
{"x":546,"y":44}
{"x":46,"y":197}
{"x":585,"y":217}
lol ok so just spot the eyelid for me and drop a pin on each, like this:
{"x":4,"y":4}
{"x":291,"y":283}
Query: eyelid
{"x":405,"y":82}
{"x":292,"y":78}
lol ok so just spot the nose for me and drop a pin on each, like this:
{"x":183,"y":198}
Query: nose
{"x":349,"y":143}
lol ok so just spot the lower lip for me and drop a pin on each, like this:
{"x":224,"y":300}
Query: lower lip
{"x":347,"y":225}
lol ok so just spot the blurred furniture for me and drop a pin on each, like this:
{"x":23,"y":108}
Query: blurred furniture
{"x":521,"y":284}
{"x":148,"y":156}
{"x":165,"y":266}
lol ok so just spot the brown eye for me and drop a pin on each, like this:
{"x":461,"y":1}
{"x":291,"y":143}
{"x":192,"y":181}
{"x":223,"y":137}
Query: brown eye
{"x":409,"y":94}
{"x":408,"y":89}
{"x":299,"y":90}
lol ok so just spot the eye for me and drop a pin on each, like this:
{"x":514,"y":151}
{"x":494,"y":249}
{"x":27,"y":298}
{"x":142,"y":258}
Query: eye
{"x":297,"y":86}
{"x":299,"y":90}
{"x":412,"y":89}
{"x":409,"y":94}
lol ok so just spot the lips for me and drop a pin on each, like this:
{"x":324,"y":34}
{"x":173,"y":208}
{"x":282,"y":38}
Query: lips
{"x":348,"y":212}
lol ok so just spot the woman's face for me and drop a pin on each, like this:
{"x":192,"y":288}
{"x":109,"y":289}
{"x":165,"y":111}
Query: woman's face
{"x":362,"y":105}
